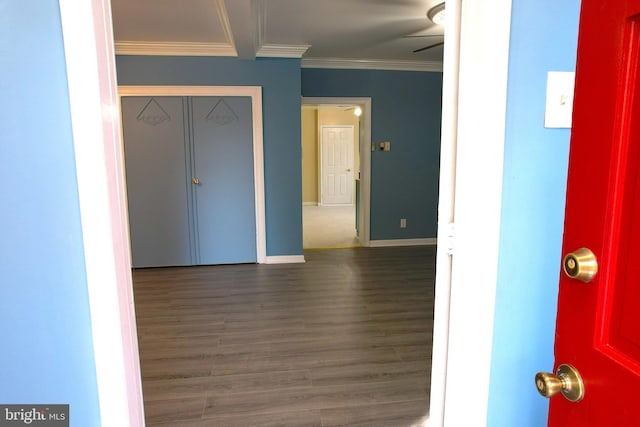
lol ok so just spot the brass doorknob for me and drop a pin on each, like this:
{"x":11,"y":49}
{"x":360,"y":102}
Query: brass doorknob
{"x":580,"y":265}
{"x":348,"y":170}
{"x":195,"y":181}
{"x":567,"y":381}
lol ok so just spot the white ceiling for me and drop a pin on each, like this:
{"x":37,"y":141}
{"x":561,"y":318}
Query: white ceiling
{"x":325,"y":33}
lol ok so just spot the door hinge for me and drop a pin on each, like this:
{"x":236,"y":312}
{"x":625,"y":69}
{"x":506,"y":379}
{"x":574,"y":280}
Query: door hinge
{"x":450,"y":235}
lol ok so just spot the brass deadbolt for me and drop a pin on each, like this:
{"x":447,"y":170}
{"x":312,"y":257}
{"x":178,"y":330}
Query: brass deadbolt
{"x":580,"y":265}
{"x":567,"y":381}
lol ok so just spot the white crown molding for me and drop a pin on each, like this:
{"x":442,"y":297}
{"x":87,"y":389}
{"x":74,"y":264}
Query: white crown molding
{"x":174,"y":48}
{"x":372,"y":64}
{"x":282,"y":50}
{"x":223,"y":15}
{"x":260,"y":9}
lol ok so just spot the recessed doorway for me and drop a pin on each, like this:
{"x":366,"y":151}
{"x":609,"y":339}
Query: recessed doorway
{"x":335,"y":172}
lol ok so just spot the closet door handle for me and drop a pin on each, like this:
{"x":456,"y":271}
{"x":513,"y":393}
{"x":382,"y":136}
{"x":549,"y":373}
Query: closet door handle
{"x":195,"y":181}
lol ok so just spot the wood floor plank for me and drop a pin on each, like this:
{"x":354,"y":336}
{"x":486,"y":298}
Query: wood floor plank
{"x":159,"y":369}
{"x":167,"y":389}
{"x":305,"y":333}
{"x":285,"y":419}
{"x":341,"y":372}
{"x":395,"y":414}
{"x":163,"y":318}
{"x":173,"y":410}
{"x":193,"y":351}
{"x":201,"y":329}
{"x":414,"y":352}
{"x":246,"y":362}
{"x":314,"y":398}
{"x":153,"y":343}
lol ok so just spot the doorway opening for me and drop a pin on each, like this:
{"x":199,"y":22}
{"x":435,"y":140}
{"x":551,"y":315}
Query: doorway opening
{"x":335,"y":172}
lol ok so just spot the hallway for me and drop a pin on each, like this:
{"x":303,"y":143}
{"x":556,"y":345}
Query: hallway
{"x":329,"y":227}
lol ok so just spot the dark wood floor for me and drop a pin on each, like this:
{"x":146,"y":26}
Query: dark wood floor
{"x":343,"y":340}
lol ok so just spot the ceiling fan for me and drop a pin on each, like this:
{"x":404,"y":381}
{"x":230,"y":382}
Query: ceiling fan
{"x":436,"y":15}
{"x":431,"y":46}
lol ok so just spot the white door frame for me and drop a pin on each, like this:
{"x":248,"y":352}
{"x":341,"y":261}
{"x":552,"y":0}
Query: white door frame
{"x":95,"y":120}
{"x":88,"y":41}
{"x":322,"y":165}
{"x":255,"y":92}
{"x":476,"y":62}
{"x":364,"y":215}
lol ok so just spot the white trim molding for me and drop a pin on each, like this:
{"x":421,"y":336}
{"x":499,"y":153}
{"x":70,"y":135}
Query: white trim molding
{"x":95,"y":122}
{"x":285,"y":259}
{"x":272,"y":50}
{"x":255,"y":92}
{"x":446,"y":208}
{"x":242,"y":19}
{"x":371,"y":64}
{"x":282,"y":50}
{"x":260,"y":9}
{"x":223,"y":15}
{"x":175,"y":48}
{"x":225,"y":48}
{"x":431,"y":241}
{"x":481,"y":116}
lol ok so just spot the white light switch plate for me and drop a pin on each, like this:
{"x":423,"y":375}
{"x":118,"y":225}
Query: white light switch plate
{"x":559,"y":105}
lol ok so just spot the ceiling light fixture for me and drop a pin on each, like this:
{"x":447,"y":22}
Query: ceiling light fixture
{"x":358,"y":111}
{"x":436,"y":14}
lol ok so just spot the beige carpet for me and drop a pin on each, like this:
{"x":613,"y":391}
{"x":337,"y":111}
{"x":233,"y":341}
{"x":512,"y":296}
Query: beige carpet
{"x":327,"y":227}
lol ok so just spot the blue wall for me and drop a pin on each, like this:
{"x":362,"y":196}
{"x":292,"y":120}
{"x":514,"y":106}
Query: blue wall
{"x":280,"y":81}
{"x":46,"y":355}
{"x":535,"y":170}
{"x":406,"y":110}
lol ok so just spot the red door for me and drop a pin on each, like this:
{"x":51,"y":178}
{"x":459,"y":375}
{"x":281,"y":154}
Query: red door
{"x":598,"y":326}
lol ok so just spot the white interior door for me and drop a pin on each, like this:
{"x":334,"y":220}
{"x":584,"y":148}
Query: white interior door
{"x":337,"y":165}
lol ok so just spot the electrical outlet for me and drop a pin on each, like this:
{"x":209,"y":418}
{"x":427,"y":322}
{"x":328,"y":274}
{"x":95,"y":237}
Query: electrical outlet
{"x":403,"y":222}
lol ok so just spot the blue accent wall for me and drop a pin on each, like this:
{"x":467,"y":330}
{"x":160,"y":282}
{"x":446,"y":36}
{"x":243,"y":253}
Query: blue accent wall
{"x":543,"y":38}
{"x":280,"y":81}
{"x":406,"y":110}
{"x":46,"y":355}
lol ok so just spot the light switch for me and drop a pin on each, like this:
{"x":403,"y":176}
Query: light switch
{"x":559,"y":105}
{"x":385,"y":145}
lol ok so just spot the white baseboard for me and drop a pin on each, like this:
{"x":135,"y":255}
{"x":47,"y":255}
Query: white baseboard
{"x":403,"y":242}
{"x":309,"y":203}
{"x":286,"y":259}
